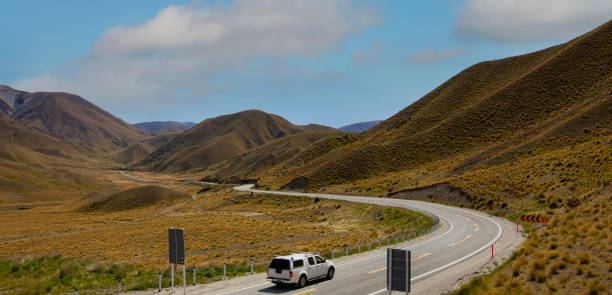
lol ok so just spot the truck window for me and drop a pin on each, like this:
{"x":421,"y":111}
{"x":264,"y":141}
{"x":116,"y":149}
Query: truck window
{"x":319,"y":259}
{"x":298,"y":263}
{"x":311,"y":261}
{"x":277,"y":263}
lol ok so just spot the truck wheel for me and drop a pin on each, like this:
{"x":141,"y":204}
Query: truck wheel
{"x":330,"y":273}
{"x":302,"y":282}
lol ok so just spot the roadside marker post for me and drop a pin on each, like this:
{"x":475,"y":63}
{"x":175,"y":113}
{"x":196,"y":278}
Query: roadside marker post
{"x":176,"y":253}
{"x":346,"y":250}
{"x":251,"y":266}
{"x":119,"y":288}
{"x":194,"y":275}
{"x":332,"y":252}
{"x":76,"y":291}
{"x":370,"y":246}
{"x":398,"y":270}
{"x":358,"y":249}
{"x":224,"y":272}
{"x":159,"y":282}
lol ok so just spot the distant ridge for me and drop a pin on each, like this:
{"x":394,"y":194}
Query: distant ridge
{"x":157,"y":126}
{"x":360,"y":127}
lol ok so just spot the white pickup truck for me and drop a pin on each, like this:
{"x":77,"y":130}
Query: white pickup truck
{"x":299,"y":268}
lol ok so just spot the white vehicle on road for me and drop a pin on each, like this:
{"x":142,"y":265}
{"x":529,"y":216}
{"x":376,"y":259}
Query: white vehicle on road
{"x":299,"y":268}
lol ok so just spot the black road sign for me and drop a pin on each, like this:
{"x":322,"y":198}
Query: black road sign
{"x":398,"y":270}
{"x":176,"y":246}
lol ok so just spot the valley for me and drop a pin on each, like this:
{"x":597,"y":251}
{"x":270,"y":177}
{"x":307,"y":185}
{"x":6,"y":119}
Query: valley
{"x":86,"y":198}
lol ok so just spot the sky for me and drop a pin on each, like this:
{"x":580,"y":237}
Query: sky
{"x":331,"y":62}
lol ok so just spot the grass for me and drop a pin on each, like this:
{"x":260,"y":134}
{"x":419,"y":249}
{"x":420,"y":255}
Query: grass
{"x":572,"y":256}
{"x":221,"y":226}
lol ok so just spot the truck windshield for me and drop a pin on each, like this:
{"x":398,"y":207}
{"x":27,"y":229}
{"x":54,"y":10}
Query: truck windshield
{"x":277,"y":263}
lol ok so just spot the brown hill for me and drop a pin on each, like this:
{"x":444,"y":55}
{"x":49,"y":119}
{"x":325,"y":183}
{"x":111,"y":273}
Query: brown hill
{"x":133,"y":198}
{"x":219,"y":139}
{"x":270,"y":158}
{"x":69,"y":117}
{"x":133,"y":153}
{"x":160,"y":139}
{"x":491,"y":113}
{"x":32,"y":164}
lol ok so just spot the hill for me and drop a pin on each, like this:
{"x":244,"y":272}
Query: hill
{"x":269,"y":158}
{"x":133,"y":153}
{"x":492,"y":113}
{"x":134,"y":198}
{"x":219,"y":139}
{"x":157,"y":126}
{"x":68,"y":117}
{"x":360,"y":127}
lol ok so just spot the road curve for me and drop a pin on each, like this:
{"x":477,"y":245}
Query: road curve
{"x":458,"y":248}
{"x":466,"y":234}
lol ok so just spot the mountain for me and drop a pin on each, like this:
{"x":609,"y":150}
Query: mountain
{"x":359,"y":127}
{"x":68,"y":117}
{"x":218,"y":139}
{"x":491,"y":113}
{"x":270,"y":158}
{"x":158,"y":126}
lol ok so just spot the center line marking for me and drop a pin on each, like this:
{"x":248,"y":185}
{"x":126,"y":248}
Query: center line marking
{"x":459,"y":242}
{"x":424,"y":255}
{"x":377,"y":270}
{"x":305,"y":292}
{"x":413,"y":259}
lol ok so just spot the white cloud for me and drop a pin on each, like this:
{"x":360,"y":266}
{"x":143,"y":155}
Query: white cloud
{"x":515,"y":21}
{"x":430,"y":56}
{"x":183,"y":47}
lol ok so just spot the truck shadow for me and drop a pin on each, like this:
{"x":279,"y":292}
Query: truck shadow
{"x":281,"y":289}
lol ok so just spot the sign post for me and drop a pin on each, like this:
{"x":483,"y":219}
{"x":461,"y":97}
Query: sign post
{"x":176,"y":251}
{"x":398,"y":270}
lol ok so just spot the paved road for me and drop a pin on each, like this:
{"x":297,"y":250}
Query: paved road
{"x":439,"y":257}
{"x":466,"y":234}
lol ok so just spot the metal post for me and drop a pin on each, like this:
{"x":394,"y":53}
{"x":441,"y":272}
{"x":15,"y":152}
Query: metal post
{"x":194,"y":275}
{"x":119,"y":288}
{"x":184,"y":281}
{"x":251,"y":266}
{"x":332,"y":252}
{"x":346,"y":251}
{"x":358,"y":249}
{"x":387,"y":242}
{"x":224,"y":272}
{"x":389,"y":271}
{"x":369,"y":246}
{"x":172,"y":272}
{"x":378,"y":243}
{"x":159,"y":282}
{"x":76,"y":291}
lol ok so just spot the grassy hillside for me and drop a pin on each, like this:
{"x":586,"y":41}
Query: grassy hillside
{"x":266,"y":159}
{"x":218,"y":139}
{"x":133,"y":153}
{"x":72,"y":118}
{"x":491,"y":113}
{"x":34,"y":165}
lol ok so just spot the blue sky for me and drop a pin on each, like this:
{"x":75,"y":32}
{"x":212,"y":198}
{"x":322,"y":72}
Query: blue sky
{"x":332,"y":62}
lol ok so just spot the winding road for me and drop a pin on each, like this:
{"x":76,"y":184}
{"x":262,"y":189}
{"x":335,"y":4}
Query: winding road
{"x":461,"y":246}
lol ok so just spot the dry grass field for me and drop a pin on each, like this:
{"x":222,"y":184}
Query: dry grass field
{"x":221,"y":226}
